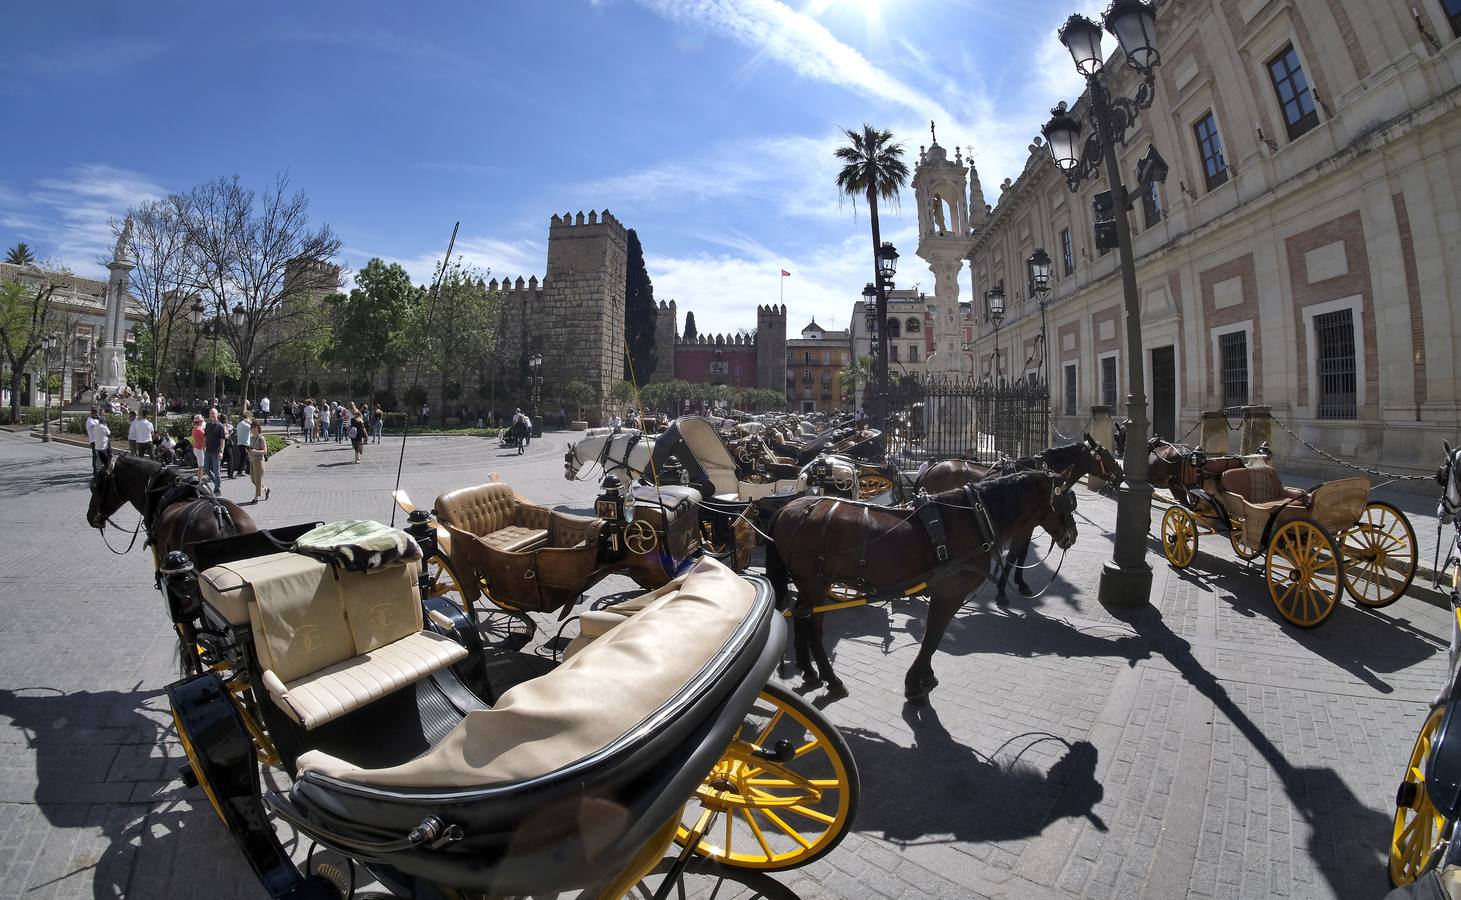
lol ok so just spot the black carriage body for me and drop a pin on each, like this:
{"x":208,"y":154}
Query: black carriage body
{"x":572,"y":828}
{"x":672,"y":511}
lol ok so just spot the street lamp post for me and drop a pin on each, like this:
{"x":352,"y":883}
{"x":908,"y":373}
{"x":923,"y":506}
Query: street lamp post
{"x":886,"y":266}
{"x":1039,"y":263}
{"x":871,"y":320}
{"x":239,"y":317}
{"x":1126,"y":579}
{"x":535,"y":364}
{"x":50,"y":347}
{"x":994,"y":313}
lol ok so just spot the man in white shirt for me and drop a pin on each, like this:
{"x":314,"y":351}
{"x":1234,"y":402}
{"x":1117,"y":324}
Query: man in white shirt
{"x":91,"y":419}
{"x":307,"y":416}
{"x":101,"y":435}
{"x":140,"y":434}
{"x":264,"y":410}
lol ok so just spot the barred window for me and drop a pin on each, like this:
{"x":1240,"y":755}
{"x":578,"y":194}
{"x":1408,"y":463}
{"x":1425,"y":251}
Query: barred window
{"x":913,"y":353}
{"x":1067,"y":248}
{"x":1233,"y":360}
{"x":1151,"y":205}
{"x":1070,"y":397}
{"x":1210,"y":148}
{"x":1453,"y":13}
{"x":1293,"y":90}
{"x":1108,"y":381}
{"x":1335,"y":364}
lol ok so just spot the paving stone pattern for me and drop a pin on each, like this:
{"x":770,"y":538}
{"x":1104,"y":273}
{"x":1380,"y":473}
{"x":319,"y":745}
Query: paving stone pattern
{"x":1198,"y":747}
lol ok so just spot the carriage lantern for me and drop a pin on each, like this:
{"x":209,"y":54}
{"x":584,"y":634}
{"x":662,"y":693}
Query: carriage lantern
{"x":672,"y":472}
{"x":887,"y":261}
{"x":180,"y":582}
{"x":419,"y":527}
{"x":819,"y":474}
{"x":1039,"y":273}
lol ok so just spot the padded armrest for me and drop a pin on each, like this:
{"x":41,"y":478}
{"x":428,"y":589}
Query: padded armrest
{"x":531,"y":515}
{"x":567,"y":529}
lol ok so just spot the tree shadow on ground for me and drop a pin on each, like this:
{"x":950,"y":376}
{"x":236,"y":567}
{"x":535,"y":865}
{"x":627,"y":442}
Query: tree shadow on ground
{"x":1347,"y":840}
{"x":940,"y":790}
{"x":96,"y":769}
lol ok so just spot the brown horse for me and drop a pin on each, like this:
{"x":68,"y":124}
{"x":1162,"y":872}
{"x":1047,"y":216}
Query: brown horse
{"x":1068,"y":462}
{"x":176,"y":509}
{"x":1174,"y":467}
{"x":818,"y":542}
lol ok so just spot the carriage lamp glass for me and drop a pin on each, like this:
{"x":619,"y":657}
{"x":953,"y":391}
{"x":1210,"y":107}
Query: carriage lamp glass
{"x":238,"y":315}
{"x":887,"y":260}
{"x":195,"y":312}
{"x":1063,"y":135}
{"x":1134,"y":24}
{"x":1040,"y":271}
{"x":1082,"y":38}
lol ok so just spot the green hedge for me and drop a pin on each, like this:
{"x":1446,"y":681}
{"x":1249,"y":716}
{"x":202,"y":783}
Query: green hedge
{"x":29,"y":415}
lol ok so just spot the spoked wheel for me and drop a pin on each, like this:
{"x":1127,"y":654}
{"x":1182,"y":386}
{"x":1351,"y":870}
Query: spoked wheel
{"x":1240,"y":546}
{"x":444,"y":581}
{"x":786,"y":788}
{"x":1179,"y":536}
{"x":870,"y":487}
{"x":1304,"y":572}
{"x":1420,"y":831}
{"x":711,"y":544}
{"x":1379,"y":555}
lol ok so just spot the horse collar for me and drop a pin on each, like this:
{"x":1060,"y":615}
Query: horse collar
{"x":933,"y":523}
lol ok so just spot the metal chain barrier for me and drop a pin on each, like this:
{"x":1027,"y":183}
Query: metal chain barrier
{"x":1377,"y":473}
{"x":1056,"y":431}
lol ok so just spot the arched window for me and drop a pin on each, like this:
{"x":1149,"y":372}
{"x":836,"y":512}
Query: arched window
{"x":893,"y":328}
{"x":913,"y":326}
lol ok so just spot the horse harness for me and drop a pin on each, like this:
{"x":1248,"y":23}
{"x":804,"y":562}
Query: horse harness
{"x":634,"y":437}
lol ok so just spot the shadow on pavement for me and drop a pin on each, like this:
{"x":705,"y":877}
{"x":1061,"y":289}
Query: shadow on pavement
{"x":939,"y":787}
{"x":727,"y":881}
{"x":1347,"y":841}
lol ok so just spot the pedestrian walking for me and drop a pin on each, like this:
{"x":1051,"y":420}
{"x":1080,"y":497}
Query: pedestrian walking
{"x":377,"y":423}
{"x":356,"y":428}
{"x":264,"y":409}
{"x":139,"y":433}
{"x":230,"y":447}
{"x":258,"y":453}
{"x":242,"y":435}
{"x":198,"y":441}
{"x":214,"y":436}
{"x":425,"y":411}
{"x":307,"y":417}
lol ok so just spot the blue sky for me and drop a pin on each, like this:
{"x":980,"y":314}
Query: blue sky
{"x":707,"y":125}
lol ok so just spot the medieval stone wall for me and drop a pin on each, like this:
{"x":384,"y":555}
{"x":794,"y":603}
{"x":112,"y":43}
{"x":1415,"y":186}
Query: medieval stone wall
{"x":578,"y":325}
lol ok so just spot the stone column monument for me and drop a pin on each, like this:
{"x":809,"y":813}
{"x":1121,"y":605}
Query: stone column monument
{"x":111,"y":354}
{"x":943,"y":240}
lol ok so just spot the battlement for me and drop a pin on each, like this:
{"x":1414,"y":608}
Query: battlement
{"x":594,"y":218}
{"x":667,"y":307}
{"x":727,"y":341}
{"x":771,"y":312}
{"x":507,"y":285}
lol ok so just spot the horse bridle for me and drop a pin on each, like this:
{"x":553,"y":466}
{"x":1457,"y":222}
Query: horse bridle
{"x":106,"y":520}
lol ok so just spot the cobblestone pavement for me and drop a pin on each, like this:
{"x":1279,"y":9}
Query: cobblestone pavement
{"x":1197,"y":748}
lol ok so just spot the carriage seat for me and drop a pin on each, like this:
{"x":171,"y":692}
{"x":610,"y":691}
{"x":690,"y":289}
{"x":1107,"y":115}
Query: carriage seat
{"x":329,"y":641}
{"x":1258,"y":484}
{"x":495,"y":514}
{"x":609,"y":684}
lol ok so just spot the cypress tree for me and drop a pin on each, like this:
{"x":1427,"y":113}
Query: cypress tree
{"x":639,"y":314}
{"x":690,"y":332}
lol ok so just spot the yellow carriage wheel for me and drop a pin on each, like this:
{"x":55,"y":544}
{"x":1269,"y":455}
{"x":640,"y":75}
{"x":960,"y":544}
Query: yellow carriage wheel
{"x":870,"y":487}
{"x":1304,"y":572}
{"x":1179,"y":536}
{"x":1379,"y":555}
{"x":1420,"y":829}
{"x":444,"y":581}
{"x":786,"y":788}
{"x":1240,"y":546}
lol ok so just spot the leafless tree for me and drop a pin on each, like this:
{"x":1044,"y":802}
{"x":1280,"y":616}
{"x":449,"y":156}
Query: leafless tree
{"x":259,"y":264}
{"x":165,"y":280}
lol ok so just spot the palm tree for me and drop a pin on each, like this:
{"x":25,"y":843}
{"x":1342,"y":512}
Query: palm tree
{"x":856,"y":374}
{"x":20,"y":255}
{"x":873,"y":167}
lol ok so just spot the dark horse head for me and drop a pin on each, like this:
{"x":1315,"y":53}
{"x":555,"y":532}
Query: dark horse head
{"x":111,"y":489}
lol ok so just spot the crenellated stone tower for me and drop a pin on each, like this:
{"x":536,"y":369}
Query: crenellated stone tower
{"x":666,"y":336}
{"x":939,"y":184}
{"x":771,"y":347}
{"x":578,"y":324}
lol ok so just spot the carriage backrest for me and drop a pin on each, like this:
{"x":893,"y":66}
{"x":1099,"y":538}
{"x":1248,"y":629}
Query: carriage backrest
{"x":1339,"y":504}
{"x":480,"y":509}
{"x":1256,"y":481}
{"x":705,"y":444}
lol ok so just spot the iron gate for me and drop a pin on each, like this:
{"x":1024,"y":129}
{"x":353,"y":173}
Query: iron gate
{"x":935,"y":417}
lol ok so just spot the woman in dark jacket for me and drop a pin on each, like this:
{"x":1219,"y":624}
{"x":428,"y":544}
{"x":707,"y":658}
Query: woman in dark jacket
{"x":356,"y":430}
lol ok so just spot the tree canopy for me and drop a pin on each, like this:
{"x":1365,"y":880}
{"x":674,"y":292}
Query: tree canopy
{"x":639,"y":313}
{"x":690,"y":331}
{"x":373,"y":321}
{"x":20,"y":255}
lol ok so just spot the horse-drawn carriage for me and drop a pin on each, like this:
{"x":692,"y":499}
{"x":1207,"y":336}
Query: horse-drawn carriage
{"x":1315,"y":543}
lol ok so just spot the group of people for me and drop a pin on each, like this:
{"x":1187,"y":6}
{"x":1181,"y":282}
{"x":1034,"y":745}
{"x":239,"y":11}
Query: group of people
{"x":240,"y":447}
{"x":337,"y":422}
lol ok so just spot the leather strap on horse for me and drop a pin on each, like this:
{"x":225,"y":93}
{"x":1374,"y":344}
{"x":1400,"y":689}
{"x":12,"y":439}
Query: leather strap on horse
{"x":987,"y":535}
{"x":933,"y":524}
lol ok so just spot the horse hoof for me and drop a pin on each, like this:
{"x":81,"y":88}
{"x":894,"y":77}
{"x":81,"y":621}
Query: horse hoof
{"x":836,"y":690}
{"x":1025,"y":591}
{"x":786,"y":670}
{"x":810,"y":682}
{"x":918,"y":691}
{"x":1001,"y":600}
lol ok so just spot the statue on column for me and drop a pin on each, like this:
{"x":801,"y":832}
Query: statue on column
{"x":123,"y":240}
{"x":936,"y":214}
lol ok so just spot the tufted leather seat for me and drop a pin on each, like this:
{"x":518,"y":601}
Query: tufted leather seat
{"x":632,"y":661}
{"x":329,"y":642}
{"x":514,"y":538}
{"x":487,"y":509}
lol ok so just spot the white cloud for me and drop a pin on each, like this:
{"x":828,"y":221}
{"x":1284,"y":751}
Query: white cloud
{"x":68,"y":218}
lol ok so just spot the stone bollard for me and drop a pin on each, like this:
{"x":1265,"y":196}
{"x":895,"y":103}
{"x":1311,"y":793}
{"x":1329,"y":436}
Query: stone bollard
{"x":1100,"y":432}
{"x":1214,"y":433}
{"x":1257,"y":427}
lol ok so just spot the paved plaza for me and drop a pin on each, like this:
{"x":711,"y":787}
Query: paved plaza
{"x":1200,"y":747}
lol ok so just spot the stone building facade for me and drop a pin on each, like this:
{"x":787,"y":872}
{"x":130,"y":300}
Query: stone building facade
{"x":910,"y":335}
{"x":739,"y":360}
{"x":814,"y":364}
{"x":1300,"y":253}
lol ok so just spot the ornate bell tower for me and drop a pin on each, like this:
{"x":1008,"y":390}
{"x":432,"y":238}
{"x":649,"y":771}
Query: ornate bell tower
{"x":940,"y":187}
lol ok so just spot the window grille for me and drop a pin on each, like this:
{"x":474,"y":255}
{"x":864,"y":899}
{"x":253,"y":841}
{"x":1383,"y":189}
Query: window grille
{"x":1335,"y":364}
{"x":1151,"y":205}
{"x":1293,"y":90}
{"x":1233,"y":361}
{"x":1070,"y":397}
{"x":1108,"y":382}
{"x":1210,"y":148}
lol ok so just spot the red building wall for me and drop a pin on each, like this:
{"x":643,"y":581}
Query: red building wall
{"x":693,"y":364}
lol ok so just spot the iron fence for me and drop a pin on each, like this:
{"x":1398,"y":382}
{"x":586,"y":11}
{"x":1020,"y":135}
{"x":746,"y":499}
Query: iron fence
{"x":935,"y":417}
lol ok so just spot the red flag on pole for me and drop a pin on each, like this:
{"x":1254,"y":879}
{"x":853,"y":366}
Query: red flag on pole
{"x":785,"y":274}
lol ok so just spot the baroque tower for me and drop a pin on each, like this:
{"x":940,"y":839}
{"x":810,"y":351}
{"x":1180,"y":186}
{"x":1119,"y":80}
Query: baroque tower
{"x":771,"y":347}
{"x":943,"y":238}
